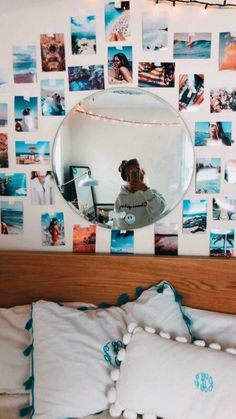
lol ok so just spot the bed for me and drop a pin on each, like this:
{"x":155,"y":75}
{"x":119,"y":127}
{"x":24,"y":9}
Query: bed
{"x":206,"y":284}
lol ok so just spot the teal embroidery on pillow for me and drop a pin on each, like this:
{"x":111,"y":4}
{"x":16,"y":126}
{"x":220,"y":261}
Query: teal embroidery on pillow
{"x":110,"y":351}
{"x":203,"y":382}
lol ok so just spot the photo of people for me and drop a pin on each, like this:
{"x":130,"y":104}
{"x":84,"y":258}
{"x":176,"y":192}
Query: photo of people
{"x":224,"y":208}
{"x":213,"y":133}
{"x":227,"y":51}
{"x":26,"y":113}
{"x":230,"y":171}
{"x":122,"y":241}
{"x":13,"y":185}
{"x":24,"y":64}
{"x":194,"y":216}
{"x":155,"y":30}
{"x":192,"y":45}
{"x":117,"y":21}
{"x":84,"y":239}
{"x":52,"y":52}
{"x":120,"y":65}
{"x":166,"y":239}
{"x":208,"y":173}
{"x":11,"y":217}
{"x":89,"y":77}
{"x":52,"y":97}
{"x":83,"y":33}
{"x":52,"y":228}
{"x":4,"y":79}
{"x":156,"y":74}
{"x":3,"y":150}
{"x":42,"y":186}
{"x":3,"y":115}
{"x":191,"y":91}
{"x":222,"y":99}
{"x":32,"y":153}
{"x":222,"y":243}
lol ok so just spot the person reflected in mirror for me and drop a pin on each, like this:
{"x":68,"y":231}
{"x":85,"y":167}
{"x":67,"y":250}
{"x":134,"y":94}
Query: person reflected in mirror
{"x":122,"y":70}
{"x":42,"y":188}
{"x":137,"y":205}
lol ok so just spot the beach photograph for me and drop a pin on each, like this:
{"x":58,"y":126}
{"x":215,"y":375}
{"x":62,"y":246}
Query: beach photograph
{"x":26,"y":113}
{"x":208,"y":175}
{"x":223,"y":208}
{"x":3,"y":150}
{"x":52,"y":97}
{"x":117,"y":21}
{"x":87,"y":77}
{"x":192,"y":45}
{"x":227,"y":51}
{"x":4,"y":79}
{"x":120,"y":65}
{"x":3,"y":114}
{"x":52,"y":52}
{"x":52,"y":229}
{"x":84,"y":239}
{"x":213,"y":133}
{"x":194,"y":216}
{"x":222,"y":243}
{"x":222,"y":99}
{"x":11,"y":217}
{"x":230,"y":171}
{"x":13,"y":185}
{"x":191,"y":91}
{"x":83,"y":33}
{"x":32,"y":153}
{"x":155,"y":30}
{"x":152,"y":74}
{"x":122,"y":242}
{"x":166,"y":239}
{"x":24,"y":64}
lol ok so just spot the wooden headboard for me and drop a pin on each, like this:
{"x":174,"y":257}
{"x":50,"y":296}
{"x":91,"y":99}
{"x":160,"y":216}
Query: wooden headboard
{"x":207,"y":283}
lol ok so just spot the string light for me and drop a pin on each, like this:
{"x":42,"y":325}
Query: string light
{"x":202,"y":3}
{"x":126,"y":121}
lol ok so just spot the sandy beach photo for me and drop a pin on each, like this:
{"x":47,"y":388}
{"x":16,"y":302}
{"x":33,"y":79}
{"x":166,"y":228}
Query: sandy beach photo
{"x":117,"y":21}
{"x":84,"y":239}
{"x":166,"y":239}
{"x":3,"y":114}
{"x":32,"y":153}
{"x":24,"y":64}
{"x":11,"y":215}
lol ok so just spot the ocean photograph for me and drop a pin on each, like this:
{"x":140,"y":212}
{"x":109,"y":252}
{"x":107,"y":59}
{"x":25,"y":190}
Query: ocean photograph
{"x":230,"y":171}
{"x":211,"y":134}
{"x":192,"y":45}
{"x":223,"y":208}
{"x":166,"y":239}
{"x":52,"y":97}
{"x":52,"y":229}
{"x":3,"y":114}
{"x":117,"y":21}
{"x":89,"y":77}
{"x":4,"y":80}
{"x":83,"y":34}
{"x":222,"y":243}
{"x":26,"y":113}
{"x":11,"y":217}
{"x":122,"y":241}
{"x":13,"y":185}
{"x":194,"y":216}
{"x":155,"y":30}
{"x":227,"y":51}
{"x":24,"y":64}
{"x":32,"y":153}
{"x":120,"y":65}
{"x":84,"y":239}
{"x":208,"y":175}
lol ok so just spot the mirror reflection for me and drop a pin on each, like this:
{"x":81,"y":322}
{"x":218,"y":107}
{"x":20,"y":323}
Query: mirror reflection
{"x":123,"y":158}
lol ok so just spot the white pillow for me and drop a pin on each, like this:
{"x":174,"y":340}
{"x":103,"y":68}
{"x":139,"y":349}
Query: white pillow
{"x":73,"y":350}
{"x":174,"y":380}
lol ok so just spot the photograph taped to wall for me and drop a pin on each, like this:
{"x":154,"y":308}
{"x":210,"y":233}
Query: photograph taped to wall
{"x":227,"y":51}
{"x":26,"y":113}
{"x":87,"y":77}
{"x":11,"y":217}
{"x":13,"y":184}
{"x":52,"y":229}
{"x":52,"y":52}
{"x":194,"y":216}
{"x":52,"y":97}
{"x":223,"y":208}
{"x":213,"y":133}
{"x":117,"y":21}
{"x":120,"y":65}
{"x":222,"y":243}
{"x":83,"y":33}
{"x":151,"y":74}
{"x":155,"y":30}
{"x":192,"y":45}
{"x":24,"y":64}
{"x":84,"y":239}
{"x":222,"y":99}
{"x":32,"y":153}
{"x":166,"y":239}
{"x":4,"y":79}
{"x":208,"y":175}
{"x":122,"y":241}
{"x":3,"y":114}
{"x":230,"y":171}
{"x":191,"y":91}
{"x":3,"y":150}
{"x":42,"y":188}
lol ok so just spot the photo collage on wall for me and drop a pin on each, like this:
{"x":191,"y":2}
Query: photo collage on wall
{"x":81,"y":57}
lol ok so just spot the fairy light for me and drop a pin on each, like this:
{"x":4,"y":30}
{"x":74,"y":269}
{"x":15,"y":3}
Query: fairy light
{"x":105,"y":118}
{"x":201,"y":3}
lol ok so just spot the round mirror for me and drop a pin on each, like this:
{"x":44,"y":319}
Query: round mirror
{"x":123,"y":158}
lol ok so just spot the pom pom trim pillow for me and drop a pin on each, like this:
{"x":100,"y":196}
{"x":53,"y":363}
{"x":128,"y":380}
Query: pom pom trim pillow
{"x":172,"y":379}
{"x":73,"y":351}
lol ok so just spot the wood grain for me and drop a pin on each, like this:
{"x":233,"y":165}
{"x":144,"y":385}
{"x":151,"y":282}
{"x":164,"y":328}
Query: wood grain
{"x":207,"y":283}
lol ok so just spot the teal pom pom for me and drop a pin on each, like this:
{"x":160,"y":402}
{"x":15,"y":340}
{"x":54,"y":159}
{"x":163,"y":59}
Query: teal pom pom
{"x":29,"y":324}
{"x":99,"y":413}
{"x":83,"y":308}
{"x":28,"y":384}
{"x":178,"y":298}
{"x":187,"y":320}
{"x":138,"y":291}
{"x":28,"y":350}
{"x":26,"y":411}
{"x":160,"y":288}
{"x":103,"y":305}
{"x":123,"y":298}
